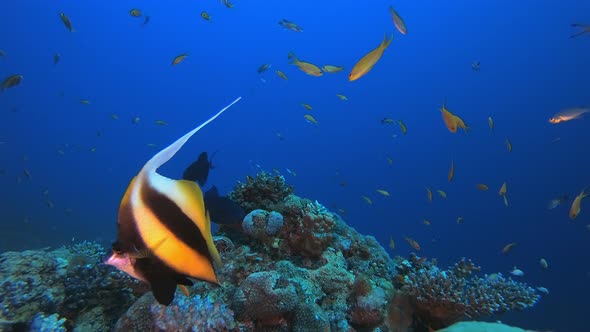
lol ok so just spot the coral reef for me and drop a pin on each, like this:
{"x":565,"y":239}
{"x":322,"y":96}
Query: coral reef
{"x":67,"y":281}
{"x":196,"y":313}
{"x":261,"y":192}
{"x":292,"y":265}
{"x":441,"y":298}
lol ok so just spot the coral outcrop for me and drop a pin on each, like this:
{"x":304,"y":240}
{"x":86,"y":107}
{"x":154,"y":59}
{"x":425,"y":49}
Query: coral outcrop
{"x":292,"y":265}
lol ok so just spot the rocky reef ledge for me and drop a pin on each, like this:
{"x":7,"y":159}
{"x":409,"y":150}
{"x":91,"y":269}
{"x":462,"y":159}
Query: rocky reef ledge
{"x":292,"y":265}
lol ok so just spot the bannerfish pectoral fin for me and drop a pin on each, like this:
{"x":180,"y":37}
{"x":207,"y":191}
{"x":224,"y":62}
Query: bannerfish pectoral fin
{"x":163,"y":290}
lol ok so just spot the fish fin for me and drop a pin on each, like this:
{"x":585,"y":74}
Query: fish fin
{"x":167,"y":153}
{"x":291,"y":56}
{"x":211,"y":166}
{"x":183,"y":289}
{"x":163,"y":290}
{"x":386,"y":41}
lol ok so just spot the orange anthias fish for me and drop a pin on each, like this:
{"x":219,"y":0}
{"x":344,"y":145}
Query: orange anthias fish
{"x":568,"y":114}
{"x":306,"y":67}
{"x":452,"y":171}
{"x":368,"y":61}
{"x":413,"y":243}
{"x":503,"y":189}
{"x":575,"y":208}
{"x":452,"y":121}
{"x":508,"y":247}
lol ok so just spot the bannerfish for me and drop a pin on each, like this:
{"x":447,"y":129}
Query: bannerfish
{"x":163,"y":232}
{"x":199,"y":170}
{"x":222,"y":209}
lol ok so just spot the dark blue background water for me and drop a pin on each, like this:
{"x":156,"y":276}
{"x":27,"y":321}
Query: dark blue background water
{"x":530,"y":69}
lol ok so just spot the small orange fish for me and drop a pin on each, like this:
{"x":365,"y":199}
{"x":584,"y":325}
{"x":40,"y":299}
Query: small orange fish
{"x":402,"y":127}
{"x":426,"y":222}
{"x":366,"y":63}
{"x":508,"y":247}
{"x":481,"y":187}
{"x":576,"y":208}
{"x":413,"y":243}
{"x":502,"y":190}
{"x":306,"y":67}
{"x":179,"y":58}
{"x":135,"y":12}
{"x":452,"y":171}
{"x":452,"y":121}
{"x":568,"y":114}
{"x":282,"y":75}
{"x":508,"y":145}
{"x":429,"y":194}
{"x":442,"y":194}
{"x":448,"y":118}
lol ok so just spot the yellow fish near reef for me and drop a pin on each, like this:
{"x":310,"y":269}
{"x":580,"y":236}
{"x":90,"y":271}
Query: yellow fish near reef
{"x":311,"y":119}
{"x":179,"y":58}
{"x":306,"y":67}
{"x":163,"y":231}
{"x":575,"y":208}
{"x":366,"y":63}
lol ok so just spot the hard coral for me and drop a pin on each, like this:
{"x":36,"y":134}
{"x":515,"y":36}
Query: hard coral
{"x":266,"y":298}
{"x":441,"y":298}
{"x":196,"y":313}
{"x":264,"y":191}
{"x":309,"y":228}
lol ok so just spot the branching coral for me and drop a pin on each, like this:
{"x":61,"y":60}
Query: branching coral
{"x":441,"y":298}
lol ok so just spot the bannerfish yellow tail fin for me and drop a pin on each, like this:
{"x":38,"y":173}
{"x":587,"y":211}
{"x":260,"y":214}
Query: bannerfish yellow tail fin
{"x":163,"y":156}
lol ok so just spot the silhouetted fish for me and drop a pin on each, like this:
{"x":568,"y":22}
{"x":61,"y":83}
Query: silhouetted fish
{"x":222,"y":210}
{"x":199,"y":170}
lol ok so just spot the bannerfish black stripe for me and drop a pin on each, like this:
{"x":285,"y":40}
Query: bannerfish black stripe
{"x":172,"y":217}
{"x":128,"y":237}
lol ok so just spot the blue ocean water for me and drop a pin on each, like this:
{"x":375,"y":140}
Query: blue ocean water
{"x":80,"y":159}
